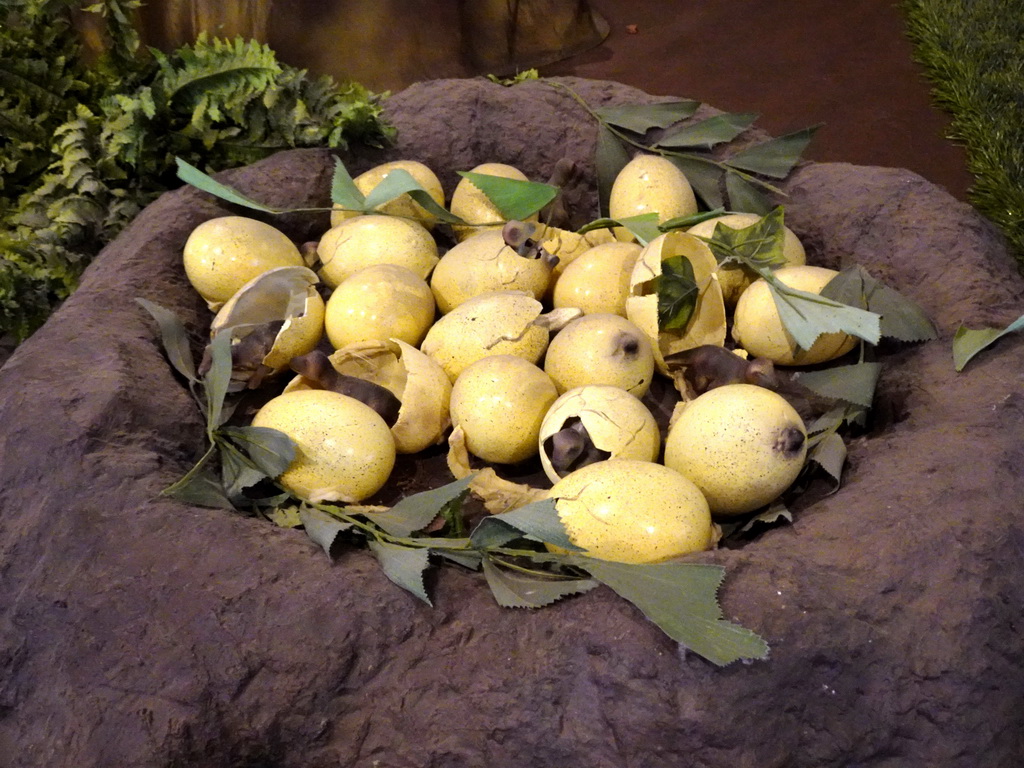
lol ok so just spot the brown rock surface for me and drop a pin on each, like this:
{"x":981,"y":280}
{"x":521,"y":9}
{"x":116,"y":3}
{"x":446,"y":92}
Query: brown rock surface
{"x":139,"y":632}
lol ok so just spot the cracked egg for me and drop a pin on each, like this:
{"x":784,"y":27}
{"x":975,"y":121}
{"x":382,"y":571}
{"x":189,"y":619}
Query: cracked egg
{"x":707,"y":323}
{"x":590,"y":424}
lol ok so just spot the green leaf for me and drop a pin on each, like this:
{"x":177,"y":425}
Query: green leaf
{"x":775,"y":512}
{"x":704,"y":176}
{"x":466,"y":558}
{"x":967,"y":343}
{"x":644,"y":226}
{"x":759,"y":245}
{"x":200,"y":485}
{"x":216,"y":381}
{"x":610,"y":158}
{"x":708,"y":132}
{"x":775,"y":157}
{"x":514,"y":198}
{"x":321,"y":527}
{"x":539,"y":520}
{"x":744,"y":196}
{"x":270,"y":450}
{"x":344,"y":191}
{"x":404,"y":566}
{"x":851,"y":383}
{"x":192,"y":175}
{"x":829,"y":453}
{"x":902,"y":318}
{"x":640,"y":118}
{"x":515,"y":589}
{"x":685,"y":222}
{"x":400,"y":182}
{"x":175,"y":338}
{"x":414,"y":513}
{"x":237,"y":472}
{"x":808,"y":315}
{"x":677,"y":293}
{"x":681,"y":598}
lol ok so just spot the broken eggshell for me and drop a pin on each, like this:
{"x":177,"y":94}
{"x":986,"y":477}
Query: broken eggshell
{"x":588,"y":424}
{"x":285,"y":296}
{"x":707,"y":325}
{"x":415,"y":379}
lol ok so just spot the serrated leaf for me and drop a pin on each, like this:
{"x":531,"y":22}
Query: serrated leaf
{"x":270,"y":450}
{"x":514,"y":589}
{"x":416,"y":512}
{"x":760,"y":244}
{"x":851,"y":383}
{"x":644,"y":227}
{"x":681,"y":598}
{"x":217,"y":380}
{"x":192,"y":175}
{"x":174,"y":337}
{"x":491,"y":533}
{"x":238,"y":472}
{"x":706,"y":133}
{"x":515,"y":199}
{"x":466,"y":558}
{"x":775,"y":157}
{"x":677,"y":293}
{"x":829,"y":453}
{"x":829,"y":421}
{"x":967,"y":343}
{"x":807,"y":315}
{"x":344,"y":191}
{"x":744,"y":196}
{"x":400,"y":182}
{"x":775,"y":512}
{"x":610,"y":157}
{"x":539,"y":521}
{"x":901,"y":318}
{"x":321,"y":527}
{"x":704,"y":175}
{"x":640,"y":118}
{"x":404,"y":566}
{"x":200,"y":485}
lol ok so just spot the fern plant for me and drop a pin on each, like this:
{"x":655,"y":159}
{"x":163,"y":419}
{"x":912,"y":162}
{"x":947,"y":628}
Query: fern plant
{"x":84,"y":147}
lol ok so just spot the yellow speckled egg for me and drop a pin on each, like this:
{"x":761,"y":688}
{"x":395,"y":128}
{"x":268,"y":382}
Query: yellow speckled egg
{"x":365,"y":241}
{"x":598,"y":279}
{"x":378,"y":303}
{"x":403,"y":205}
{"x":223,"y":254}
{"x":603,"y":349}
{"x":500,"y":402}
{"x":742,"y":445}
{"x":344,"y":449}
{"x":632,"y":511}
{"x":471,"y":205}
{"x":650,"y":184}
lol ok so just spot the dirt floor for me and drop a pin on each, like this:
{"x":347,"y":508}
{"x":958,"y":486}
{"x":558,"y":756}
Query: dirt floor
{"x":136,"y":631}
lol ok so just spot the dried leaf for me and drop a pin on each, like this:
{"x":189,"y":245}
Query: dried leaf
{"x":404,"y":566}
{"x":706,"y":133}
{"x":775,"y":157}
{"x":515,"y":199}
{"x":640,"y":118}
{"x":967,"y":343}
{"x":515,"y":589}
{"x":681,"y":598}
{"x":901,"y":318}
{"x":174,"y":337}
